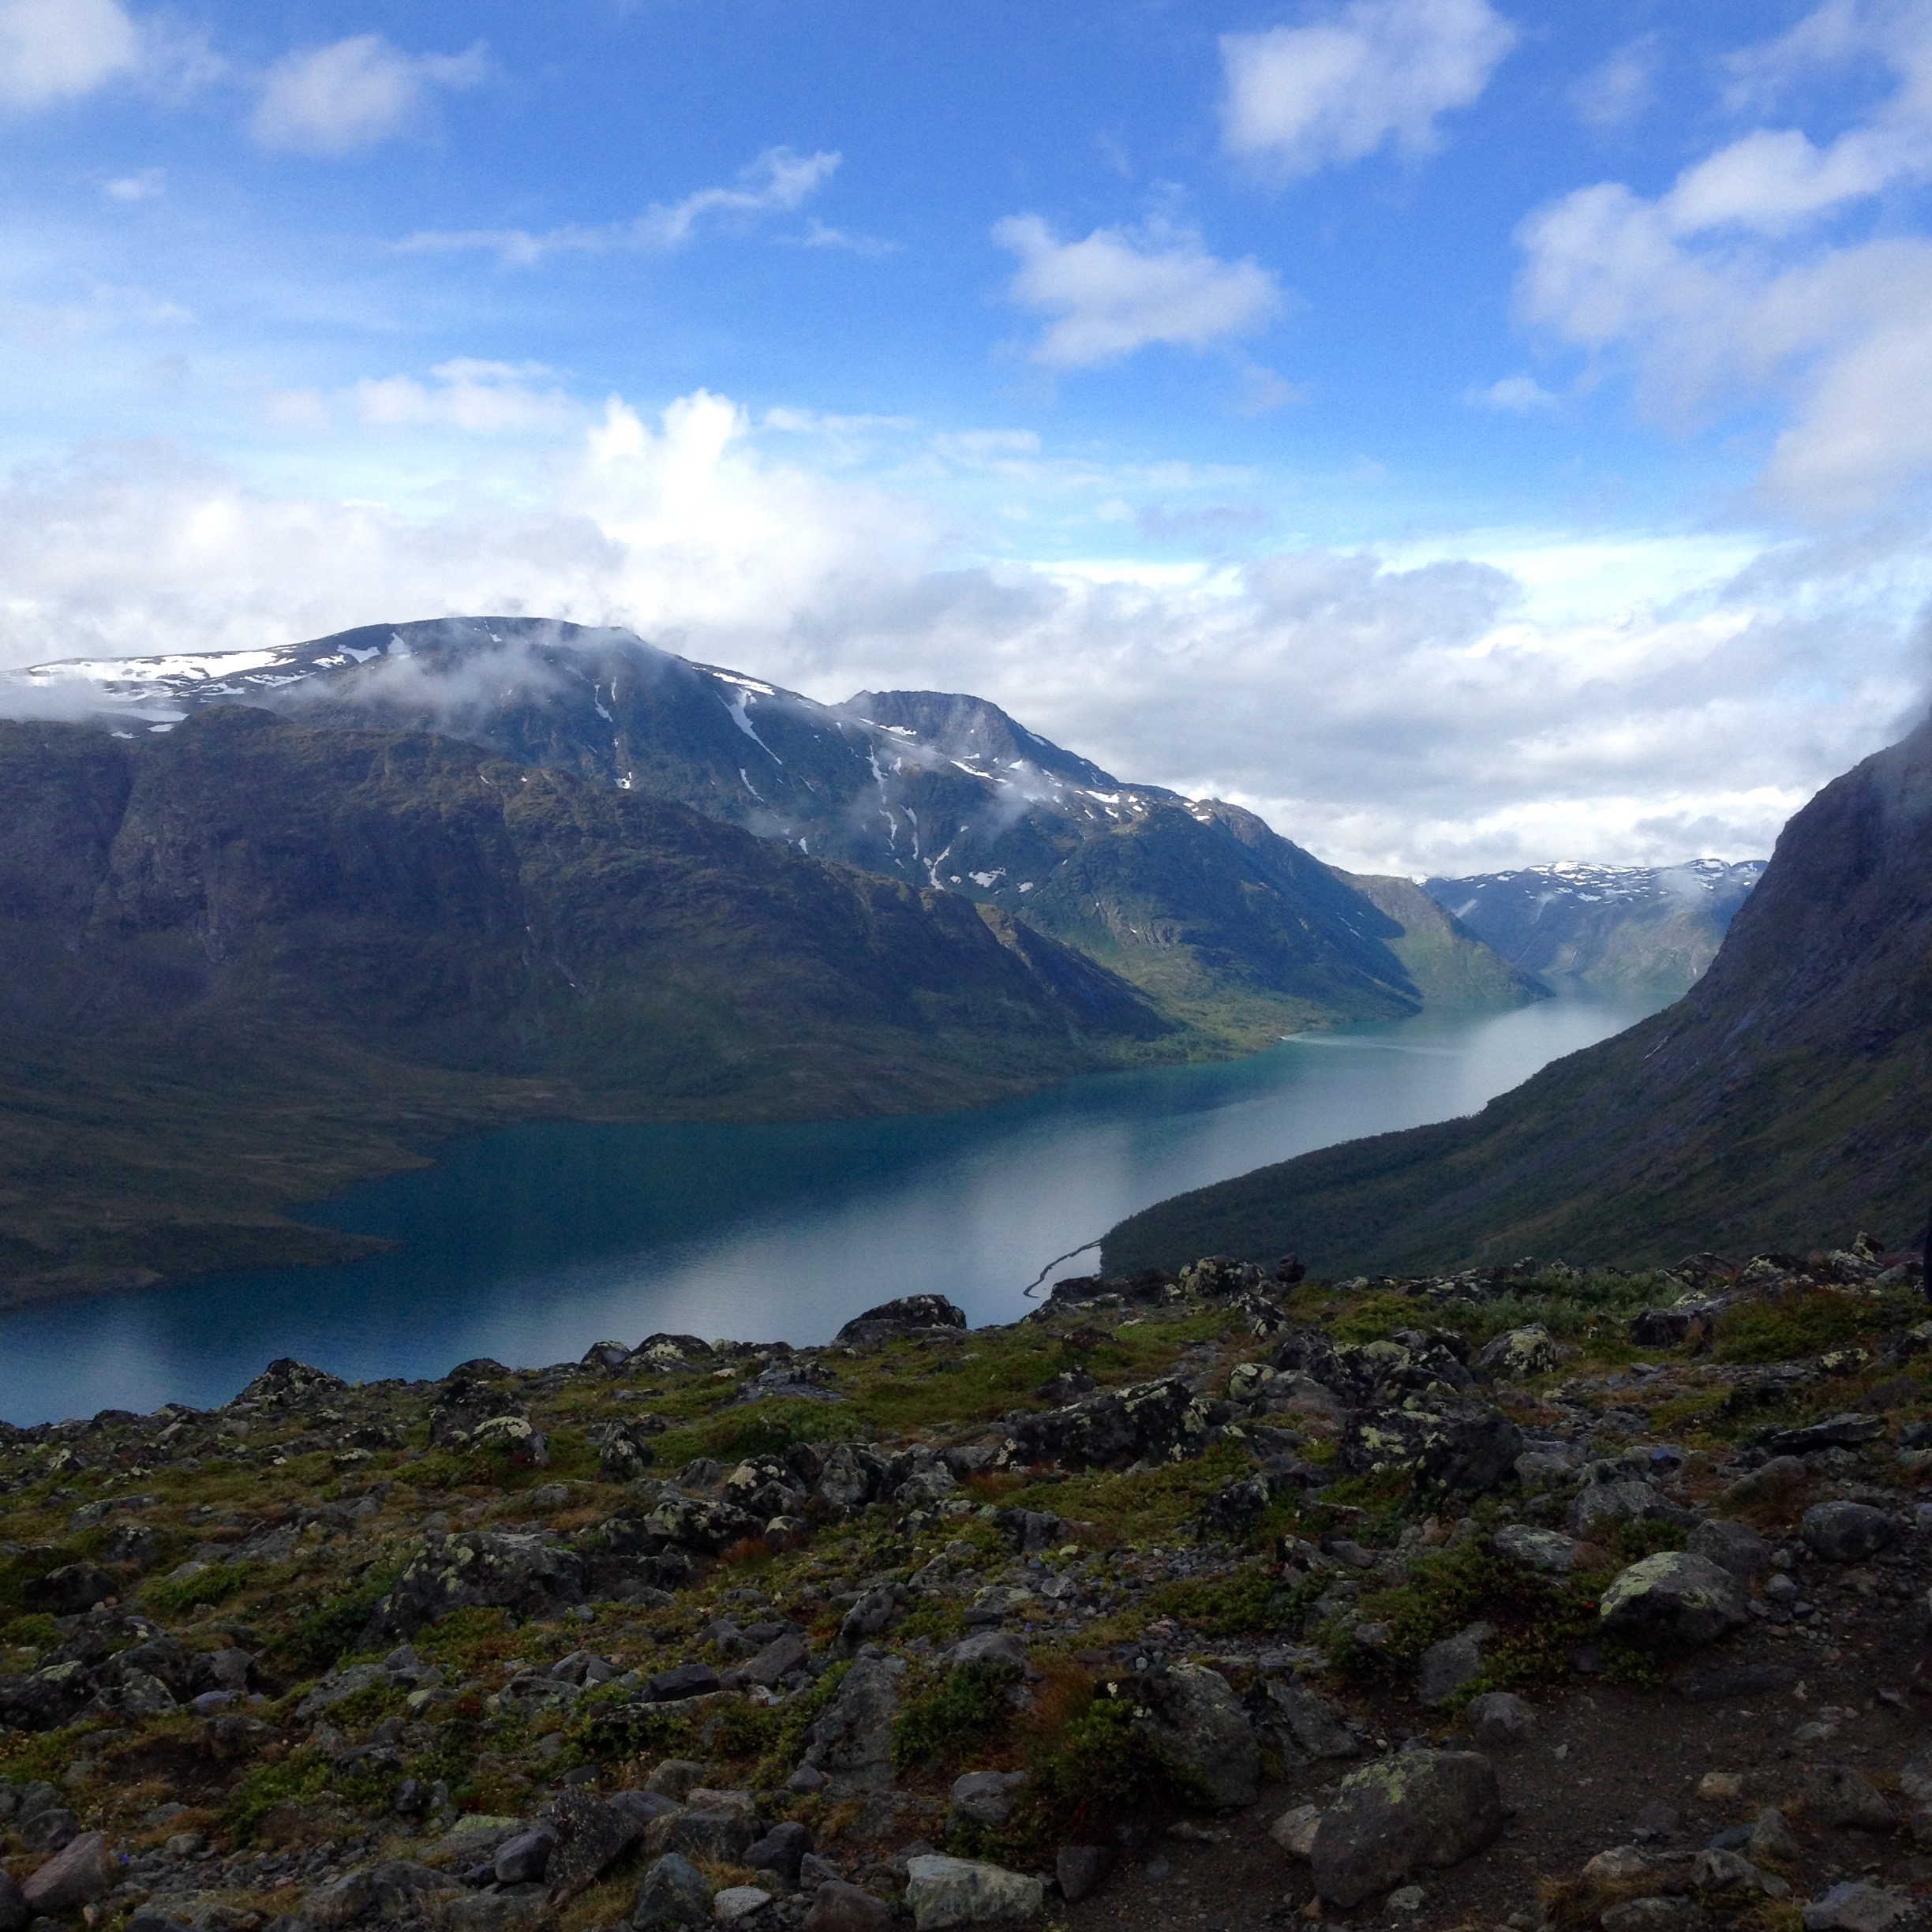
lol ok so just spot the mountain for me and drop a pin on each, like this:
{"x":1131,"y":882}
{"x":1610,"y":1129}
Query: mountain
{"x":1627,"y":927}
{"x":1779,"y":1104}
{"x":1238,"y":932}
{"x":245,"y":960}
{"x":1447,"y":963}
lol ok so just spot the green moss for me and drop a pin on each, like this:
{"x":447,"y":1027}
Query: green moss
{"x":172,"y":1595}
{"x":1804,"y":1322}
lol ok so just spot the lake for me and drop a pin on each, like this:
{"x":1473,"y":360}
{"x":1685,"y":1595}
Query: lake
{"x":530,"y":1245}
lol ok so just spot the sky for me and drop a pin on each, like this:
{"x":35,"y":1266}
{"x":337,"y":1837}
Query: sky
{"x":1469,"y":434}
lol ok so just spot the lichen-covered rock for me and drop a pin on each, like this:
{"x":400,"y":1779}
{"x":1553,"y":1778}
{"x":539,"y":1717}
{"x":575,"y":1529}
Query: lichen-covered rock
{"x":1196,"y":1723}
{"x":1415,"y":1809}
{"x":69,"y":1589}
{"x":948,"y":1891}
{"x":1518,"y":1353}
{"x":908,"y":1315}
{"x":44,"y":1700}
{"x":1599,"y":1507}
{"x":1547,"y":1550}
{"x":851,"y":1739}
{"x":1672,"y":1598}
{"x":591,"y":1834}
{"x":1841,"y":1793}
{"x":1465,"y":1446}
{"x":1119,"y":1426}
{"x":479,"y":1569}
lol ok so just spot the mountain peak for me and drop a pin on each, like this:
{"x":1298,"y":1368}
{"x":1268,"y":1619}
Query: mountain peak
{"x":976,"y":732}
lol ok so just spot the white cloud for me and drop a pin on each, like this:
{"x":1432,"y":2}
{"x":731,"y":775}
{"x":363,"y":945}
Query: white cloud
{"x":1124,"y":289}
{"x":143,"y":186}
{"x":1722,"y":287}
{"x":1517,"y":395}
{"x":354,"y":94}
{"x":477,"y":398}
{"x":1356,"y":78}
{"x":1545,"y":698}
{"x":1615,"y":93}
{"x":59,"y":50}
{"x":777,"y":182}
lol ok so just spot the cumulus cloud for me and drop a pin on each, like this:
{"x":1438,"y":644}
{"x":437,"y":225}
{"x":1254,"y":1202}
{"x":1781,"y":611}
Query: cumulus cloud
{"x":1124,"y":289}
{"x":354,"y":94}
{"x":53,"y":50}
{"x":477,"y":397}
{"x":777,"y":182}
{"x":1516,"y":395}
{"x":1729,"y":283}
{"x":1615,"y":93}
{"x":1447,"y":714}
{"x":1370,"y":74}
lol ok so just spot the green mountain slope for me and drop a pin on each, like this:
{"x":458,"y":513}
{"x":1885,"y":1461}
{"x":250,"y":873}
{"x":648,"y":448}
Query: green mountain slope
{"x":248,"y":961}
{"x":1780,"y":1103}
{"x":1446,"y":964}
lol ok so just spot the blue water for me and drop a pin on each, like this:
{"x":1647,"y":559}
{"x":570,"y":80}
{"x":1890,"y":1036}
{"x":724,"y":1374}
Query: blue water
{"x":530,"y":1245}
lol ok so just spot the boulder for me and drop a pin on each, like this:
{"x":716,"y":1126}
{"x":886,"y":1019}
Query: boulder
{"x":1299,"y":1722}
{"x":1843,"y":1794}
{"x":1498,"y":1719}
{"x":987,"y":1797}
{"x":71,"y":1588}
{"x":1599,"y":1506}
{"x":1518,"y":1353}
{"x":1672,"y":1598}
{"x":1444,"y":1668}
{"x":591,"y":1834}
{"x":372,"y":1891}
{"x":1846,"y":1532}
{"x":947,"y":1892}
{"x":15,"y":1912}
{"x":479,"y":1569}
{"x":1732,"y":1546}
{"x":837,"y":1907}
{"x":1715,"y":1870}
{"x":1466,"y":1447}
{"x":77,"y":1875}
{"x":781,"y":1852}
{"x":1080,"y":1869}
{"x":909,"y":1315}
{"x":672,"y":1896}
{"x":1196,"y":1723}
{"x":1547,"y":1550}
{"x":777,"y":1660}
{"x":1415,"y":1809}
{"x":1839,"y":1431}
{"x":1772,"y":1841}
{"x":851,"y":1739}
{"x":715,"y":1834}
{"x":737,"y":1902}
{"x":1856,"y":1907}
{"x":1109,"y":1430}
{"x":523,"y":1859}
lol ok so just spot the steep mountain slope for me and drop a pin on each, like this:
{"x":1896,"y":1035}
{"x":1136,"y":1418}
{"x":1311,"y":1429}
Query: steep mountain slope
{"x":1610,"y":926}
{"x":1780,"y":1103}
{"x":1447,"y":963}
{"x":1242,"y":934}
{"x":246,"y":939}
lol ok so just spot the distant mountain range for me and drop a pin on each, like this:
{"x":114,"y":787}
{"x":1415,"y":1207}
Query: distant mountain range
{"x":1241,"y":935}
{"x":1779,"y":1104}
{"x":1629,"y":927}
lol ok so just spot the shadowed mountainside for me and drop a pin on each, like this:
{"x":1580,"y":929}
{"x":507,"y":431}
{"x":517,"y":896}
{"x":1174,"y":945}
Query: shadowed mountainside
{"x":1781,"y":1100}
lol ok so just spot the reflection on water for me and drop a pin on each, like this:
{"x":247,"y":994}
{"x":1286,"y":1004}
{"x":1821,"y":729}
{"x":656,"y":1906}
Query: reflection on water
{"x":530,"y":1245}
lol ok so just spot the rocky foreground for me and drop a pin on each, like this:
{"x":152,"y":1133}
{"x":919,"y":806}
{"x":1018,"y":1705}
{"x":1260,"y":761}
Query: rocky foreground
{"x":1529,"y":1598}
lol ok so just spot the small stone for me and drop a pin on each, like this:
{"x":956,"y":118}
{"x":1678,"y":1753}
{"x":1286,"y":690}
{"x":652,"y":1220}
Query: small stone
{"x":676,"y":1778}
{"x":1647,"y":1914}
{"x":1853,"y":1908}
{"x":1080,"y":1869}
{"x":1771,"y":1840}
{"x":736,"y":1902}
{"x":1622,"y":1865}
{"x":837,"y":1907}
{"x":1720,"y":1787}
{"x":77,"y":1875}
{"x":1499,"y":1719}
{"x":1714,"y":1870}
{"x":1846,"y":1532}
{"x":1295,"y":1830}
{"x":672,"y":1894}
{"x":807,"y":1778}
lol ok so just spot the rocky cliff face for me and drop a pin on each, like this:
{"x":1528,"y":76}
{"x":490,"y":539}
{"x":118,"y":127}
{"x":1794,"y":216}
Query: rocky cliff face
{"x":1781,"y":1096}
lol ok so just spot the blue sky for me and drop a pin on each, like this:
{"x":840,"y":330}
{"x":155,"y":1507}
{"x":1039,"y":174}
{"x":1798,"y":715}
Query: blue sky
{"x":1468,"y":433}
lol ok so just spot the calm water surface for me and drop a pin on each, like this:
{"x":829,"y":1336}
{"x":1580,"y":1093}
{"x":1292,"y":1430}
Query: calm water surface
{"x":530,"y":1245}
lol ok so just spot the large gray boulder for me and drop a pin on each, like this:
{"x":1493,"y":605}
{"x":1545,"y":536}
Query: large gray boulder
{"x":1846,"y":1532}
{"x":672,"y":1896}
{"x":851,"y":1739}
{"x":1417,"y":1809}
{"x":1196,"y":1723}
{"x":480,"y":1568}
{"x":1467,"y":1447}
{"x":1733,"y":1546}
{"x":77,"y":1875}
{"x":1672,"y":1599}
{"x":947,"y":1892}
{"x":837,"y":1907}
{"x":1856,"y":1907}
{"x":1299,"y":1722}
{"x":1444,"y":1668}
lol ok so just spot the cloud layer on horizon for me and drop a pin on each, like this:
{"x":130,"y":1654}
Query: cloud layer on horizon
{"x":1432,"y":716}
